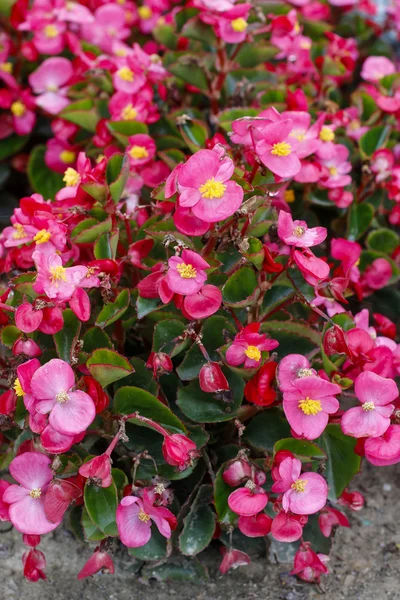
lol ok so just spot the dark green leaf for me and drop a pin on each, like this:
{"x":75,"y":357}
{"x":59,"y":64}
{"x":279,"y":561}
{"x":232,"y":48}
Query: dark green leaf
{"x":42,"y":179}
{"x":65,"y":339}
{"x":113,"y":311}
{"x":89,"y":230}
{"x":240,"y":287}
{"x":199,"y":524}
{"x":221,"y":493}
{"x":302,"y":449}
{"x":108,"y":366}
{"x":383,"y":240}
{"x":360,"y":217}
{"x":101,"y":505}
{"x":266,"y":429}
{"x":117,"y":172}
{"x":373,"y":139}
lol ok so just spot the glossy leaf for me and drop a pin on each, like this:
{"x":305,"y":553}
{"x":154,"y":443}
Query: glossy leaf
{"x":108,"y":366}
{"x":198,"y":525}
{"x":65,"y":339}
{"x":101,"y":505}
{"x":113,"y":311}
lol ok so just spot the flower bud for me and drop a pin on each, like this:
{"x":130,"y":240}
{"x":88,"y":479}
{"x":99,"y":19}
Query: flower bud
{"x":99,"y":561}
{"x":212,"y":379}
{"x":98,"y":469}
{"x":95,"y":391}
{"x":27,"y":347}
{"x":31,"y":540}
{"x":178,"y":450}
{"x":34,"y":563}
{"x":308,"y":565}
{"x":160,"y":363}
{"x":232,"y":559}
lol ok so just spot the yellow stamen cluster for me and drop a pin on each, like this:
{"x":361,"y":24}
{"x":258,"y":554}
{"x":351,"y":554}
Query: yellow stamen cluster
{"x":126,"y":74}
{"x":18,"y":109}
{"x":19,"y":231}
{"x":145,"y":12}
{"x":212,"y":189}
{"x":17,"y":387}
{"x":299,"y":485}
{"x":186,"y":271}
{"x":6,"y":67}
{"x":298,"y":231}
{"x":71,"y":177}
{"x":326,"y":134}
{"x":35,"y":493}
{"x":289,"y":196}
{"x":253,"y":353}
{"x":281,"y":149}
{"x":239,"y":25}
{"x":144,"y":517}
{"x":42,"y":236}
{"x":50,"y":31}
{"x":138,"y":152}
{"x":62,"y":397}
{"x":368,"y":406}
{"x":67,"y":156}
{"x":57,"y":274}
{"x":128,"y":113}
{"x":310,"y":407}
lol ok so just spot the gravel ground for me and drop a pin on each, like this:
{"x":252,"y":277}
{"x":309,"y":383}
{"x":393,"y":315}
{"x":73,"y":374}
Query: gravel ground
{"x":365,"y":564}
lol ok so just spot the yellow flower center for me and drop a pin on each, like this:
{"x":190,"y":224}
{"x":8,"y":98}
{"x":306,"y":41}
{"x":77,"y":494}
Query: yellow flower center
{"x":310,"y":407}
{"x":281,"y":149}
{"x":50,"y":31}
{"x":126,"y":74}
{"x":71,"y":177}
{"x":138,"y":152}
{"x":304,"y":373}
{"x":296,"y":27}
{"x":67,"y":156}
{"x":62,"y":397}
{"x":368,"y":406}
{"x":298,"y":231}
{"x":299,"y":485}
{"x":289,"y":196}
{"x":326,"y":134}
{"x":51,"y":87}
{"x":305,"y":44}
{"x":354,"y":125}
{"x":120,"y":52}
{"x":145,"y":12}
{"x":6,"y":67}
{"x":299,"y":135}
{"x":253,"y":353}
{"x":18,"y":388}
{"x":186,"y":271}
{"x":35,"y":493}
{"x":129,"y":113}
{"x":120,"y":1}
{"x":19,"y":231}
{"x":57,"y":274}
{"x":42,"y":236}
{"x":18,"y":109}
{"x":333,"y":171}
{"x":144,"y":517}
{"x":212,"y":189}
{"x":239,"y":25}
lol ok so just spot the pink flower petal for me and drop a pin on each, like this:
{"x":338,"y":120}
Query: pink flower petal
{"x":31,"y":470}
{"x":73,"y":416}
{"x":28,"y":516}
{"x":54,"y":377}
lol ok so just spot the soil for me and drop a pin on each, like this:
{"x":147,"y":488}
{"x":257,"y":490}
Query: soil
{"x":365,"y":563}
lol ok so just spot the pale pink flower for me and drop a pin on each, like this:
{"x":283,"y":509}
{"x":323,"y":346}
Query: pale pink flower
{"x":248,"y":500}
{"x":141,"y":149}
{"x":277,"y":150}
{"x":384,"y":450}
{"x":186,"y":274}
{"x":49,"y":81}
{"x":54,"y":280}
{"x":303,"y":494}
{"x":377,"y":67}
{"x":297,"y":233}
{"x":247,"y":347}
{"x":291,"y":368}
{"x":313,"y":269}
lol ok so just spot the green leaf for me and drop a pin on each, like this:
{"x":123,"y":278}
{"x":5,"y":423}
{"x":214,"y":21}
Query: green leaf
{"x":302,"y":449}
{"x":266,"y":429}
{"x":251,"y":55}
{"x":199,"y":524}
{"x":12,"y":145}
{"x":165,"y":34}
{"x":89,"y":230}
{"x":107,"y":366}
{"x":128,"y":400}
{"x":188,"y":69}
{"x":165,"y":334}
{"x":383,"y":240}
{"x":101,"y":505}
{"x":9,"y":335}
{"x":297,"y":329}
{"x":142,"y":378}
{"x":201,"y":407}
{"x":155,"y":549}
{"x":342,"y":464}
{"x":95,"y":338}
{"x":189,"y":570}
{"x":43,"y":180}
{"x":121,"y":130}
{"x":373,"y":139}
{"x":82,"y":113}
{"x":145,"y":306}
{"x":113,"y":311}
{"x":194,"y":133}
{"x":240,"y":288}
{"x":194,"y":29}
{"x":104,"y":247}
{"x":360,"y":218}
{"x":117,"y":172}
{"x":65,"y":339}
{"x":90,"y":531}
{"x":221,"y":493}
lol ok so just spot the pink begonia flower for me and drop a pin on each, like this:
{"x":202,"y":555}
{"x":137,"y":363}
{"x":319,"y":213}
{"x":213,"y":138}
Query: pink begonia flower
{"x":23,"y":111}
{"x":127,"y":107}
{"x":99,"y":561}
{"x":186,"y":274}
{"x":308,"y":565}
{"x":378,"y":273}
{"x":372,"y":418}
{"x":384,"y":450}
{"x":248,"y":346}
{"x":204,"y":185}
{"x":59,"y":495}
{"x":60,"y":156}
{"x":186,"y":222}
{"x":308,"y":404}
{"x":381,"y":164}
{"x":32,"y":471}
{"x":277,"y":150}
{"x":249,"y":500}
{"x":26,"y":346}
{"x":303,"y":494}
{"x":54,"y":280}
{"x":49,"y":81}
{"x":310,"y":172}
{"x":307,"y":137}
{"x":336,"y":168}
{"x":215,"y":5}
{"x":330,"y":518}
{"x":71,"y":412}
{"x":291,"y":368}
{"x":349,"y":254}
{"x":232,"y":559}
{"x":49,"y":37}
{"x":73,"y":12}
{"x":128,"y":77}
{"x":4,"y":508}
{"x":203,"y":304}
{"x":179,"y":451}
{"x":287,"y":527}
{"x":297,"y":233}
{"x":134,"y":519}
{"x":231,"y":25}
{"x":55,"y":442}
{"x":376,"y":67}
{"x":98,"y":469}
{"x":34,"y":563}
{"x":108,"y":27}
{"x":255,"y":526}
{"x":141,"y":149}
{"x":312,"y":268}
{"x":29,"y":318}
{"x":341,"y":197}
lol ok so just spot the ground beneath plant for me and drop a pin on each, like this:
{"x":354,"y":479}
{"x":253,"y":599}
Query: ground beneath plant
{"x":365,"y":563}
